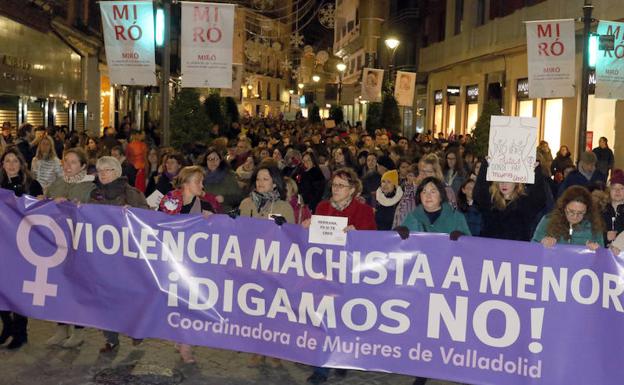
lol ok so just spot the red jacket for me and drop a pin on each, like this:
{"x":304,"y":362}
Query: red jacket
{"x":360,"y":215}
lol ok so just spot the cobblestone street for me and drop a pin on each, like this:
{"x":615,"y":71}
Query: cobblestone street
{"x":152,"y":362}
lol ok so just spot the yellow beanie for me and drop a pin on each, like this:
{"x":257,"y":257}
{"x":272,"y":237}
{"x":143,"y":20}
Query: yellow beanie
{"x":392,"y":176}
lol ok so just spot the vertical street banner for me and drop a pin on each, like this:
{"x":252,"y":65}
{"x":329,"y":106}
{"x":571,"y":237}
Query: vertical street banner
{"x":511,"y":149}
{"x":371,"y":84}
{"x":404,"y":88}
{"x":610,"y":63}
{"x":207,"y":41}
{"x":129,"y":39}
{"x":550,"y":50}
{"x":237,"y":81}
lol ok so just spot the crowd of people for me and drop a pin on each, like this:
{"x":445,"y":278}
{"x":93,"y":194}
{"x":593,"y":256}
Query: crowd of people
{"x":288,"y":170}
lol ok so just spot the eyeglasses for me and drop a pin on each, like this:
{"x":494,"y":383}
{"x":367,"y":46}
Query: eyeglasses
{"x":215,"y":159}
{"x":104,"y":170}
{"x":339,"y":186}
{"x":573,"y":213}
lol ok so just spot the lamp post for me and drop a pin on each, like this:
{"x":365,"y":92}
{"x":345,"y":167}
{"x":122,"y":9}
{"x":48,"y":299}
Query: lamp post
{"x":587,"y":20}
{"x":392,"y":44}
{"x":341,"y":67}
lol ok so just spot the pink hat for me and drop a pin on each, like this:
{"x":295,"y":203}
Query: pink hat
{"x":617,"y":176}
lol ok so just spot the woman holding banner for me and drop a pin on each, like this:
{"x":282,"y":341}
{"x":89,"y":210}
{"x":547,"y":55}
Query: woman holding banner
{"x":575,"y":220}
{"x":187,"y":198}
{"x":15,"y":177}
{"x":74,"y":186}
{"x":509,"y":211}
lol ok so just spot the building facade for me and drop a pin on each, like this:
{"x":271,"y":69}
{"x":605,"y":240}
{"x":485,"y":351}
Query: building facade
{"x":477,"y":51}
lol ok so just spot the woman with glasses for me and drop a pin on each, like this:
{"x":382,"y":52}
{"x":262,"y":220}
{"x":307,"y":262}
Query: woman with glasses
{"x":221,"y":181}
{"x":575,"y":220}
{"x":453,"y":169}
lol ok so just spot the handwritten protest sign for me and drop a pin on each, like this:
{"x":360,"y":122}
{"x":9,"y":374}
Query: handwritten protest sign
{"x":328,"y":230}
{"x":512,"y":146}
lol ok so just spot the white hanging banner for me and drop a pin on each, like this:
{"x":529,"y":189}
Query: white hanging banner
{"x":371,"y":84}
{"x":404,"y":88}
{"x":610,"y":63}
{"x":207,"y":41}
{"x":550,"y":50}
{"x":129,"y":39}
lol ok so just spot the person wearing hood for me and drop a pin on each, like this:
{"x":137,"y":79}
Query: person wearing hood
{"x":75,"y":186}
{"x":387,"y":198}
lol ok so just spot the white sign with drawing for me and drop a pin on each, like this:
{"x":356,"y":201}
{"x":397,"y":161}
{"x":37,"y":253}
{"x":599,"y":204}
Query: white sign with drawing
{"x":328,"y":230}
{"x":512,"y":147}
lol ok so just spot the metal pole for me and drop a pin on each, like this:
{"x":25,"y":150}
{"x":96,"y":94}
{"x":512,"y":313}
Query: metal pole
{"x":166,"y":68}
{"x":587,"y":19}
{"x":339,"y":89}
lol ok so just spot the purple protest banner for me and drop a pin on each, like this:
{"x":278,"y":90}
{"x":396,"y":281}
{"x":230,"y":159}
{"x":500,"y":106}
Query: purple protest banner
{"x":474,"y":310}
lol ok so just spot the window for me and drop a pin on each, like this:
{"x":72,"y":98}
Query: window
{"x":480,"y":12}
{"x":502,"y":8}
{"x":459,"y":16}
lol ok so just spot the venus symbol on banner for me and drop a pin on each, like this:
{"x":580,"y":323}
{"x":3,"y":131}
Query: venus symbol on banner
{"x":40,"y":288}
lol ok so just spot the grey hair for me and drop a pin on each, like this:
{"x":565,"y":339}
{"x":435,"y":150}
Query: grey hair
{"x":109,"y":162}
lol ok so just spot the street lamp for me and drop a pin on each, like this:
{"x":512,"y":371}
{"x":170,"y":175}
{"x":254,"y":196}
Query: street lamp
{"x":341,"y":67}
{"x":316,"y":78}
{"x":392,"y":44}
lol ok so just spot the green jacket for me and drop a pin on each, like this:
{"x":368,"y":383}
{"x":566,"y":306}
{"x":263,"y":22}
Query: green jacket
{"x":80,"y":191}
{"x":449,"y":220}
{"x":229,"y":189}
{"x":580,"y":235}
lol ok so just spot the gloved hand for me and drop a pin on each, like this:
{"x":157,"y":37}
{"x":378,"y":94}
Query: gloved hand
{"x":454,"y":235}
{"x":233,"y":213}
{"x":279,"y":220}
{"x":403,"y":231}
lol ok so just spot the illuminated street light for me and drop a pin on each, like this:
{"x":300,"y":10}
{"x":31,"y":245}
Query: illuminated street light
{"x":316,"y":78}
{"x":341,"y":67}
{"x":392,"y":43}
{"x":300,"y":85}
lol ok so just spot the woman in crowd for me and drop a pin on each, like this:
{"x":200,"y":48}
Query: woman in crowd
{"x":75,"y":186}
{"x":407,"y":204}
{"x":46,"y":166}
{"x":164,"y":182}
{"x":312,"y":182}
{"x":453,"y":170}
{"x":268,"y":195}
{"x":434,"y":214}
{"x":136,"y":154}
{"x":92,"y":150}
{"x":467,"y":206}
{"x":508,"y":211}
{"x":613,"y":213}
{"x":15,"y":177}
{"x":545,"y":158}
{"x":562,"y":161}
{"x":113,"y":189}
{"x":574,"y":220}
{"x":300,"y":209}
{"x":345,"y":188}
{"x":341,"y":157}
{"x":429,"y":166}
{"x":387,"y":198}
{"x":244,"y":173}
{"x":187,"y":198}
{"x":221,"y":181}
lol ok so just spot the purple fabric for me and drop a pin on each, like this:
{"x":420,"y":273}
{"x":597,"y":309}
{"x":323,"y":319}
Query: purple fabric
{"x":389,"y":321}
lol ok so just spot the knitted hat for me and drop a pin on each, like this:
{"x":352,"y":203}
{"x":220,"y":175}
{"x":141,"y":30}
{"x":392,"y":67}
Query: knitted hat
{"x":392,"y":176}
{"x":386,"y":162}
{"x":617,"y":176}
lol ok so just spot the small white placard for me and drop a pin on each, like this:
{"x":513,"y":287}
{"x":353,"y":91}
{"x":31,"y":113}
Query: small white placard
{"x":154,"y":199}
{"x":512,"y":149}
{"x":328,"y":230}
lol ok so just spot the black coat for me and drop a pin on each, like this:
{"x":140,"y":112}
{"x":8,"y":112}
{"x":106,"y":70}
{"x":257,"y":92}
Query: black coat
{"x":613,"y":221}
{"x":18,"y":186}
{"x":312,"y":186}
{"x":516,"y":220}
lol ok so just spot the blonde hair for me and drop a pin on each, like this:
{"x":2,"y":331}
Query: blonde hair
{"x":497,"y":196}
{"x":434,"y":161}
{"x":186,"y":174}
{"x":291,"y":186}
{"x":51,"y":153}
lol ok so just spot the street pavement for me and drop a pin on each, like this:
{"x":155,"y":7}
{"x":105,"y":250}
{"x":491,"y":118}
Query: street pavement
{"x":154,"y":362}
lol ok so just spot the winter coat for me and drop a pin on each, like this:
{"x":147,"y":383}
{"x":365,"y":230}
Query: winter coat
{"x":370,"y":184}
{"x":80,"y":191}
{"x":118,"y":193}
{"x":312,"y":186}
{"x":580,"y":235}
{"x":227,"y":187}
{"x":279,"y":207}
{"x":16,"y":185}
{"x":359,"y":215}
{"x":473,"y":219}
{"x":449,"y":220}
{"x":385,"y":207}
{"x":545,"y":159}
{"x":515,"y":221}
{"x":575,"y":178}
{"x":605,"y":160}
{"x":560,"y":163}
{"x":300,"y":210}
{"x":406,"y":205}
{"x":614,"y":221}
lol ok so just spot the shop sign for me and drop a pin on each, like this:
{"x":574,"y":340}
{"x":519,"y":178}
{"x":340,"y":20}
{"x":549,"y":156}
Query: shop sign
{"x":438,"y":97}
{"x":472,"y":94}
{"x":452,"y":91}
{"x":522,"y":89}
{"x":551,"y":58}
{"x":610,"y":63}
{"x":589,"y":138}
{"x":16,"y":62}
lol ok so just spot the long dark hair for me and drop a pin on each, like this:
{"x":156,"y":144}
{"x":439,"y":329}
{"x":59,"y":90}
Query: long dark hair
{"x":462,"y":199}
{"x":223,"y":165}
{"x":276,"y":176}
{"x":27,"y":178}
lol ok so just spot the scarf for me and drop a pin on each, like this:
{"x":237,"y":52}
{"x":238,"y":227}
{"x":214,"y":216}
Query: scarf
{"x":340,"y":207}
{"x":391,"y":199}
{"x":76,"y":178}
{"x":169,"y":175}
{"x":214,"y":177}
{"x":260,"y":200}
